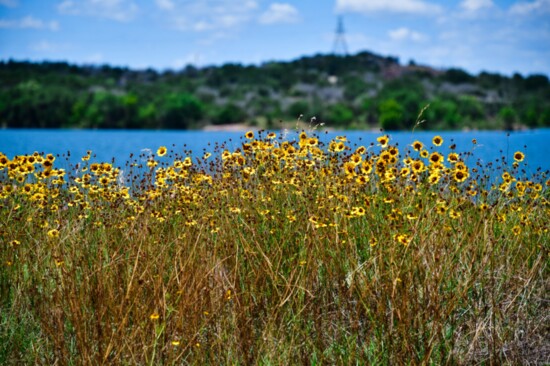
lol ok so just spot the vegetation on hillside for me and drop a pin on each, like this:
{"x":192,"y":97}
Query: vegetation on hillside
{"x":361,"y":91}
{"x":284,"y":250}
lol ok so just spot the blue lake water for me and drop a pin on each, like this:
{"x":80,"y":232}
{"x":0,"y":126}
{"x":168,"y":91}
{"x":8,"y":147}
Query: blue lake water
{"x":119,"y":144}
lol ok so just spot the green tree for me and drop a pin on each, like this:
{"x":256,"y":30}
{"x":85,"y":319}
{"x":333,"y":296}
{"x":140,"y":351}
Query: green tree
{"x":32,"y":104}
{"x":78,"y":111}
{"x":457,"y":76}
{"x":354,"y":87}
{"x":105,"y":110}
{"x":340,"y":114}
{"x":470,"y":108}
{"x":529,"y":111}
{"x":508,"y":117}
{"x":180,"y":111}
{"x":298,"y":108}
{"x":391,"y":115}
{"x":147,"y":116}
{"x":130,"y":104}
{"x":369,"y":108}
{"x":544,"y":120}
{"x":443,"y":112}
{"x":410,"y":95}
{"x":490,"y":80}
{"x":230,"y":113}
{"x":535,"y":82}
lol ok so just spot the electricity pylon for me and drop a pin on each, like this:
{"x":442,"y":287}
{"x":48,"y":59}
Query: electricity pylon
{"x":340,"y":45}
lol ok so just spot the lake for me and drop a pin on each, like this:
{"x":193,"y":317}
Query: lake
{"x":119,"y":144}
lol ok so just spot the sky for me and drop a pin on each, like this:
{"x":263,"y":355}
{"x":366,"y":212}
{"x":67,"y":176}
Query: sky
{"x":503,"y":36}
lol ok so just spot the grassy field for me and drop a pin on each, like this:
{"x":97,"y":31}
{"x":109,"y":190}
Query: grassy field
{"x":282,"y":251}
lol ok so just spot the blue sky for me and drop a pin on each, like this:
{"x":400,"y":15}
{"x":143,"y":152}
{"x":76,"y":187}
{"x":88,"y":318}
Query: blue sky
{"x":504,"y":36}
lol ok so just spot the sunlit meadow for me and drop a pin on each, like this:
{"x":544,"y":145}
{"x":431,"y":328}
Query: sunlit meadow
{"x":275,"y":250}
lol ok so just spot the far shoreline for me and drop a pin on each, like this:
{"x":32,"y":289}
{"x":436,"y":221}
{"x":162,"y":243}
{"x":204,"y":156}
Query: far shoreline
{"x":243,"y":127}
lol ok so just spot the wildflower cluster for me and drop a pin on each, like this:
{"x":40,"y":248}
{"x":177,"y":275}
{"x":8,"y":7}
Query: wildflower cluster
{"x":180,"y":253}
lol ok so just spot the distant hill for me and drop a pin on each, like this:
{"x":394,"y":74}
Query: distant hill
{"x":361,"y":91}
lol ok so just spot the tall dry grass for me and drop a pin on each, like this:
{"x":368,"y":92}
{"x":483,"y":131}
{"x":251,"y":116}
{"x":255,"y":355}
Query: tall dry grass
{"x":277,"y":252}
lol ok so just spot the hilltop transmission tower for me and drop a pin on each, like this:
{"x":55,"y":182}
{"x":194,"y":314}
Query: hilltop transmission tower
{"x":340,"y":45}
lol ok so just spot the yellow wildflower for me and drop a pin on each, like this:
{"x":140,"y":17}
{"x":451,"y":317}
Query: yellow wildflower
{"x":437,"y":140}
{"x":519,"y":156}
{"x":162,"y":151}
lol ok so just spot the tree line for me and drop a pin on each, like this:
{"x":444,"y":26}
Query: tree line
{"x":358,"y":91}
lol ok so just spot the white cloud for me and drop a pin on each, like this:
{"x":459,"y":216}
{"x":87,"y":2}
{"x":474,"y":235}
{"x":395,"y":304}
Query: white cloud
{"x":49,"y":47}
{"x":527,"y":7}
{"x":229,"y":20}
{"x":280,"y":13}
{"x":475,"y":5}
{"x":65,"y":6}
{"x":397,"y":6}
{"x":9,"y":3}
{"x":213,"y":15}
{"x":119,"y":10}
{"x":165,"y":4}
{"x":43,"y":46}
{"x":488,"y":39}
{"x":405,"y":34}
{"x":29,"y":22}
